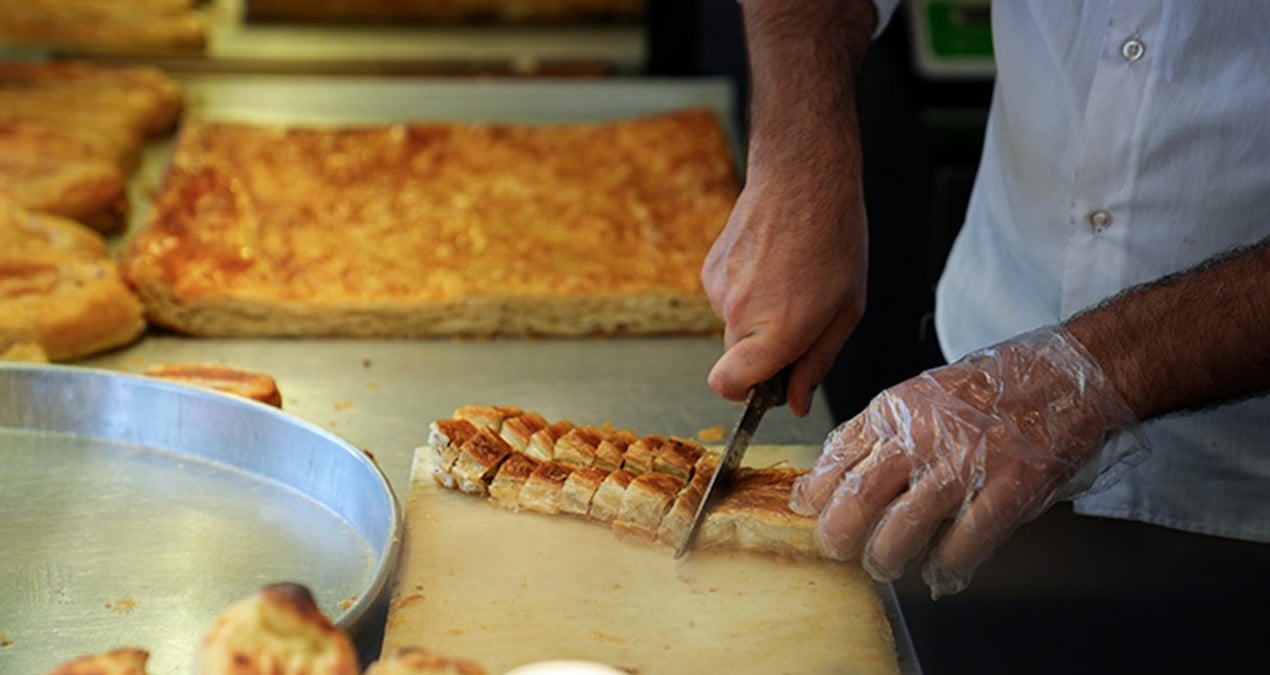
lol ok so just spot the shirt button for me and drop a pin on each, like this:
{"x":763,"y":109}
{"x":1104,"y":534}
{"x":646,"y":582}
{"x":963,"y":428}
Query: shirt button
{"x":1132,"y":50}
{"x":1099,"y":220}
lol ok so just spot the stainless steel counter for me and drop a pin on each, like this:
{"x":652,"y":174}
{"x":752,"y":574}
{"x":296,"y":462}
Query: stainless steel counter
{"x":380,"y":395}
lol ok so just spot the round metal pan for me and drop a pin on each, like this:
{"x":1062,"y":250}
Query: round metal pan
{"x":133,"y":511}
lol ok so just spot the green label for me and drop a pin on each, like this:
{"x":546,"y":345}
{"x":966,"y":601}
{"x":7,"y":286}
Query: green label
{"x":959,"y":30}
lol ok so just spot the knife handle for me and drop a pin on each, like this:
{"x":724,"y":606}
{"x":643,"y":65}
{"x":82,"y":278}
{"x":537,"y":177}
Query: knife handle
{"x":772,"y":393}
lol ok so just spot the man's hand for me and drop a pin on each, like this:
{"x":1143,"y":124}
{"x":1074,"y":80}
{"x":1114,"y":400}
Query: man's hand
{"x":787,"y":274}
{"x":987,"y":443}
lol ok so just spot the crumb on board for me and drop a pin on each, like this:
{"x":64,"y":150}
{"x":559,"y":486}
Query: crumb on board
{"x":407,"y":600}
{"x":712,"y":434}
{"x":348,"y":602}
{"x":122,"y":605}
{"x":605,"y":637}
{"x":343,"y":405}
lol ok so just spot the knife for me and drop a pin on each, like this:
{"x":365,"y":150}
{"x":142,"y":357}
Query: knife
{"x":764,"y":396}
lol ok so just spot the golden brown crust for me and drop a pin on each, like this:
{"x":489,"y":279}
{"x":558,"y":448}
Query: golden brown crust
{"x":58,"y":289}
{"x":577,"y":447}
{"x":505,"y":489}
{"x":101,"y":25}
{"x":657,"y":493}
{"x":90,"y":191}
{"x":478,"y":459}
{"x":445,"y":437}
{"x":519,"y":429}
{"x":69,"y":131}
{"x":640,"y":454}
{"x":607,"y":501}
{"x":486,"y":416}
{"x":674,"y":527}
{"x":542,"y":445}
{"x":281,"y":624}
{"x":126,"y":103}
{"x":495,"y":229}
{"x":448,"y":432}
{"x":645,"y":503}
{"x":541,"y":491}
{"x":579,"y":488}
{"x":125,"y":661}
{"x":677,"y":456}
{"x":755,"y":516}
{"x":235,"y":380}
{"x":13,"y":348}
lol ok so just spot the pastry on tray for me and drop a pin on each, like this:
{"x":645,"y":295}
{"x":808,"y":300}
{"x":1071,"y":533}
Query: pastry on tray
{"x":71,"y":132}
{"x":61,"y":298}
{"x":442,"y":228}
{"x":279,"y":629}
{"x":105,"y":25}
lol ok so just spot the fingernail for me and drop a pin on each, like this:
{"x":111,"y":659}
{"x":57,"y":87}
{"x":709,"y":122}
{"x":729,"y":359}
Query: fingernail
{"x":801,"y":498}
{"x":943,"y":581}
{"x":833,"y":549}
{"x":880,"y":572}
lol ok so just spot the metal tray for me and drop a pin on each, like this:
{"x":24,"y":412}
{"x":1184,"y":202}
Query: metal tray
{"x":133,"y":511}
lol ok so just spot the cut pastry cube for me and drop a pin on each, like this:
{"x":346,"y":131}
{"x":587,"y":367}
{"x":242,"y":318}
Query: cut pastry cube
{"x":518,"y":430}
{"x":478,"y":458}
{"x":654,"y":496}
{"x":611,"y":451}
{"x":674,"y":527}
{"x":504,"y":490}
{"x":486,"y":416}
{"x":645,"y":503}
{"x":607,"y":501}
{"x":445,"y":437}
{"x":640,"y":454}
{"x":755,"y":516}
{"x":579,"y":489}
{"x":541,"y":491}
{"x":542,"y":445}
{"x":677,"y":456}
{"x":577,"y":447}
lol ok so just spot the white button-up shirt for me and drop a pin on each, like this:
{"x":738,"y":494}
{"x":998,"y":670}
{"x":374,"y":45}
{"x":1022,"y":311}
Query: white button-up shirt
{"x":1126,"y":141}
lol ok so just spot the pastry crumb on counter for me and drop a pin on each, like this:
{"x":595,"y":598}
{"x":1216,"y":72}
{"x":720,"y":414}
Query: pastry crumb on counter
{"x":711,"y":434}
{"x":122,"y":605}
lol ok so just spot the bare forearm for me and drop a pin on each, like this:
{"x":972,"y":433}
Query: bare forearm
{"x":1188,"y":341}
{"x":804,"y":58}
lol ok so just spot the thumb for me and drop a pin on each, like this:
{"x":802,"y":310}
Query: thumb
{"x":749,"y":361}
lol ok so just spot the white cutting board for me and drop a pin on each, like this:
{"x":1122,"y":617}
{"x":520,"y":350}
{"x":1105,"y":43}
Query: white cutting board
{"x":506,"y":589}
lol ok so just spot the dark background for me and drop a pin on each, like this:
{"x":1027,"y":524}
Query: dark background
{"x":1068,"y":594}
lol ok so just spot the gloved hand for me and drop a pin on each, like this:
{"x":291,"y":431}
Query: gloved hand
{"x":988,"y":442}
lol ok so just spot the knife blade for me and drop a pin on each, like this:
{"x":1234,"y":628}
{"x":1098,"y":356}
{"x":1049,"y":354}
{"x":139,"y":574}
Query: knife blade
{"x":763,"y":397}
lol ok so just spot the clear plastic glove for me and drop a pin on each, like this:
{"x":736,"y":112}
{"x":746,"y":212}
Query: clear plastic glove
{"x":988,"y":442}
